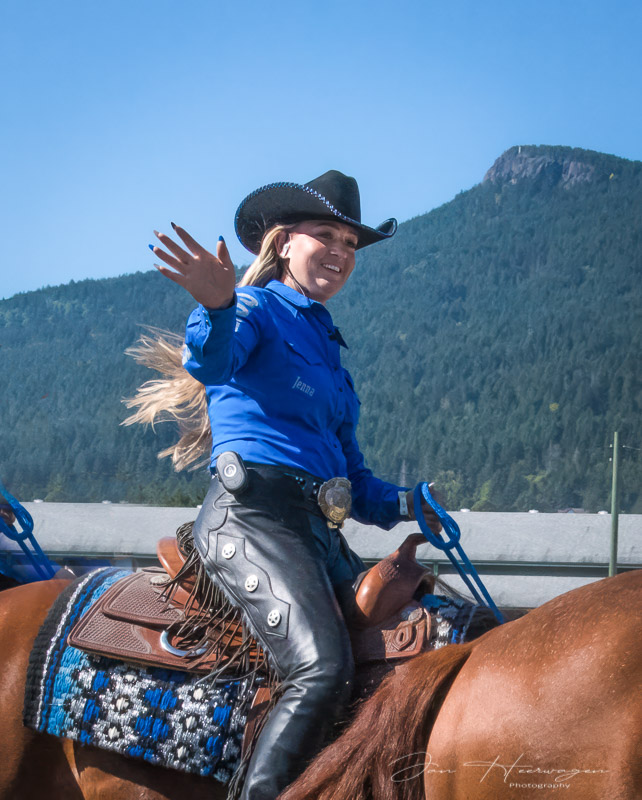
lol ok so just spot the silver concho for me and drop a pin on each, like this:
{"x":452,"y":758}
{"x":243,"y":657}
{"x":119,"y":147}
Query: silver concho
{"x":335,"y":500}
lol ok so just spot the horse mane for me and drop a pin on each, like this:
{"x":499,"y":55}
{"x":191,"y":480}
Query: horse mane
{"x":371,"y":760}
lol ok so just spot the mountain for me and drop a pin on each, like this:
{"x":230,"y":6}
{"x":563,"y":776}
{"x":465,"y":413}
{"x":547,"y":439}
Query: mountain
{"x":495,"y":344}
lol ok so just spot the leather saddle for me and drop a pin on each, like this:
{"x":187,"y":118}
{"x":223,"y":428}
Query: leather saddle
{"x":137,"y":620}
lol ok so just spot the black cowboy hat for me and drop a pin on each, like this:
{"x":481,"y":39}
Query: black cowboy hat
{"x":332,"y":195}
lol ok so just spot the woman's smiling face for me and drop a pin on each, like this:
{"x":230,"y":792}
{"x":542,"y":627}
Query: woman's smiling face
{"x":320,"y":256}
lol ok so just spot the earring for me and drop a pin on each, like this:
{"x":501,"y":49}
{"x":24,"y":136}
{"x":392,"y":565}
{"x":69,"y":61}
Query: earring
{"x":286,"y":249}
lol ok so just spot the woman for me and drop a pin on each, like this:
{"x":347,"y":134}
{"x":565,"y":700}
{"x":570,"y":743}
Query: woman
{"x":283,"y":414}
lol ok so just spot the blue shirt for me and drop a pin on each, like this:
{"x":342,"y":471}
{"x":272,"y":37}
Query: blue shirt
{"x":277,"y":393}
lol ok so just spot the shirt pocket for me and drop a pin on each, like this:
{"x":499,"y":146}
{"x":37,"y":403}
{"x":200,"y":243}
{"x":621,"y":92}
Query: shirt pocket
{"x":302,"y":351}
{"x":307,"y":375}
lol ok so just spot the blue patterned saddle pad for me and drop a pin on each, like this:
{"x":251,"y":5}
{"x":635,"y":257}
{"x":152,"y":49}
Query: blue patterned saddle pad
{"x":165,"y":717}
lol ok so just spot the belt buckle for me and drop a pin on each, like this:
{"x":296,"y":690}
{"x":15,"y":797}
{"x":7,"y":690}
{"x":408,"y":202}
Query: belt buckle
{"x":335,"y":500}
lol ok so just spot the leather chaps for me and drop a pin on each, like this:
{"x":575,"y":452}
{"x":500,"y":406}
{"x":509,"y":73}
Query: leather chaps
{"x":273,"y":554}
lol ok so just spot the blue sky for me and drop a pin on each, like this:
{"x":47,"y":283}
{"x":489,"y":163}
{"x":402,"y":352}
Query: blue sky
{"x":118,"y":117}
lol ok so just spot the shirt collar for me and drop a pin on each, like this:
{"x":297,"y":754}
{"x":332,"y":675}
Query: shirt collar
{"x":291,"y":295}
{"x":301,"y":301}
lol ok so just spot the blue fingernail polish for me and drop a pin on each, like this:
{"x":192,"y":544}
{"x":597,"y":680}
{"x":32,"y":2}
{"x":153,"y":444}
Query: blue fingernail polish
{"x":151,"y":247}
{"x":173,"y":225}
{"x":221,"y":239}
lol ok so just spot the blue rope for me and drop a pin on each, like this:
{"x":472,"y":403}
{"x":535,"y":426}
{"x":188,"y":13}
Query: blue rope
{"x":450,"y":543}
{"x":25,"y":538}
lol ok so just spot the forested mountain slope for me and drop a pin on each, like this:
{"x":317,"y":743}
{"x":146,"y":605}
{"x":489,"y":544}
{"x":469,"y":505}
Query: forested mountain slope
{"x":495,"y":343}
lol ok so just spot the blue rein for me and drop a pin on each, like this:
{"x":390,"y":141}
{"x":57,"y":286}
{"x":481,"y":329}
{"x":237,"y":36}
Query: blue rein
{"x":25,"y":538}
{"x":450,"y":543}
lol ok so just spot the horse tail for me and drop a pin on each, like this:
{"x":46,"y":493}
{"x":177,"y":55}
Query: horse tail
{"x":381,"y":755}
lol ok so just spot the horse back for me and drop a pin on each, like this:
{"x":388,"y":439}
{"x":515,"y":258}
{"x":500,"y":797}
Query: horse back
{"x":552,"y":698}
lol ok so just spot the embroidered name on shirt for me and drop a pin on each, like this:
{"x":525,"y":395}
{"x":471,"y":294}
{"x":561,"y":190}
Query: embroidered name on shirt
{"x":303,"y":387}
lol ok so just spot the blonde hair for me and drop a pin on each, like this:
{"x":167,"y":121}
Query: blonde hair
{"x":268,"y":265}
{"x":177,"y":396}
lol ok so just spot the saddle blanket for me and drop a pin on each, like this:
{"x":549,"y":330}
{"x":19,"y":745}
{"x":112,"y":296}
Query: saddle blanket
{"x":166,"y":717}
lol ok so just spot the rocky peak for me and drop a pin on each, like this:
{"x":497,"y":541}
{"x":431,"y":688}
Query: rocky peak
{"x":564,"y":165}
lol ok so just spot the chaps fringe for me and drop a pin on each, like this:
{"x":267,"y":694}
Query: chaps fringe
{"x":209,"y":618}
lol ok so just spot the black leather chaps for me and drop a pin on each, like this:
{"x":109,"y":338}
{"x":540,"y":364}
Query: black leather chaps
{"x":290,"y":574}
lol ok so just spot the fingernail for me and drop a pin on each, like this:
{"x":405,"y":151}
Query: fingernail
{"x":221,"y":239}
{"x":174,"y":225}
{"x":156,"y":233}
{"x":151,"y":247}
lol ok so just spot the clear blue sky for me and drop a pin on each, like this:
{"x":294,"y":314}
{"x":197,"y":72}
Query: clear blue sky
{"x":118,"y":116}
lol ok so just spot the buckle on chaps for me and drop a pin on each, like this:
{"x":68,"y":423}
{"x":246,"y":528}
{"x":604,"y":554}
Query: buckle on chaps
{"x":335,"y":500}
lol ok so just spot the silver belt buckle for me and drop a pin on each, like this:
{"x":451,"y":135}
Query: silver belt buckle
{"x":335,"y":500}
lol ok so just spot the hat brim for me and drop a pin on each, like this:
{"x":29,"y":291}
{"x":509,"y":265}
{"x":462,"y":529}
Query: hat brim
{"x":284,"y":203}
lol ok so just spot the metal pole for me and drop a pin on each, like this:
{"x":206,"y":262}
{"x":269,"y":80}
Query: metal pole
{"x":615,"y":507}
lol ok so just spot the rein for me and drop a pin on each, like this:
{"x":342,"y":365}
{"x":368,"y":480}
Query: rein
{"x":25,"y":538}
{"x":450,"y":528}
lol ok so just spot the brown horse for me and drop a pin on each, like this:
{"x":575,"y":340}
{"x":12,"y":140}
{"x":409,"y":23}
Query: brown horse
{"x":547,"y":705}
{"x":551,"y":702}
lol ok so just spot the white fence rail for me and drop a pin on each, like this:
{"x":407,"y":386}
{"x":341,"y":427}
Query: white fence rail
{"x":524,"y":559}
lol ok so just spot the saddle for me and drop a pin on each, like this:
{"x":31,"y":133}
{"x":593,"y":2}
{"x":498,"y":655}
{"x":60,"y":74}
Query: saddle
{"x":142,"y":617}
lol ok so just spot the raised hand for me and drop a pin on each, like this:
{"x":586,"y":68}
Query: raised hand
{"x":209,"y":278}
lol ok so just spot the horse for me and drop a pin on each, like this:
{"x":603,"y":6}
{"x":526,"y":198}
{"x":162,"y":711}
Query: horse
{"x":551,"y":702}
{"x":548,"y":700}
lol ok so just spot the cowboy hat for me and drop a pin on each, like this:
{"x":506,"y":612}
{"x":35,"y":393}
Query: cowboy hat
{"x":332,"y":195}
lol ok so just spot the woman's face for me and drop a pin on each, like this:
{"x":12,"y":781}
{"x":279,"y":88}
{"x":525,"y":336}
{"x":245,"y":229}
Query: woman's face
{"x":320,"y":256}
